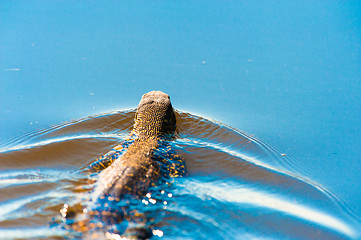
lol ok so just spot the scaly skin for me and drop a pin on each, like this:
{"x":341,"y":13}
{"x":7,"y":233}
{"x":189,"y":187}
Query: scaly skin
{"x":132,"y":173}
{"x":129,"y":170}
{"x":137,"y":168}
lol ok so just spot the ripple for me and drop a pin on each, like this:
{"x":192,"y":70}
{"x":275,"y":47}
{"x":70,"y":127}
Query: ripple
{"x":31,"y":233}
{"x":58,"y":140}
{"x":236,"y":184}
{"x":243,"y":195}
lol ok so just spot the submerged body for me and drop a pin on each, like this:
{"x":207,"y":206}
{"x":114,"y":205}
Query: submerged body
{"x":138,"y":168}
{"x":132,"y":173}
{"x":143,"y":163}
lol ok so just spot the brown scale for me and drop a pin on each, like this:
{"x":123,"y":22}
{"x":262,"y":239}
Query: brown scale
{"x":136,"y":170}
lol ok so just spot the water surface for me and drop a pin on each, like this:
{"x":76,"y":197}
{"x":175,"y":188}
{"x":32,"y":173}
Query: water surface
{"x":287,"y":72}
{"x":236,"y":186}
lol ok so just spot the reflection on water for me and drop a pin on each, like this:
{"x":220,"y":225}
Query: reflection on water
{"x":237,"y":187}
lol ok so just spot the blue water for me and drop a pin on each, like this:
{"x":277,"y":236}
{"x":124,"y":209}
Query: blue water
{"x":236,"y":187}
{"x":286,"y":72}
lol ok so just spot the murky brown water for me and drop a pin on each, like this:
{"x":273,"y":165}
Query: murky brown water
{"x":236,"y":186}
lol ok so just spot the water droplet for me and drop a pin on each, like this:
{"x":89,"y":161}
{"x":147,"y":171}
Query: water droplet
{"x":114,"y":236}
{"x":157,"y":232}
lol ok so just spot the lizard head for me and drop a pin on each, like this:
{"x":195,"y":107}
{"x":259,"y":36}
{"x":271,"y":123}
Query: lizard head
{"x":155,"y":115}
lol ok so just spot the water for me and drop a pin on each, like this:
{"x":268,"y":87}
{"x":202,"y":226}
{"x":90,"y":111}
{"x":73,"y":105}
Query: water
{"x":285,"y":72}
{"x":236,"y":186}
